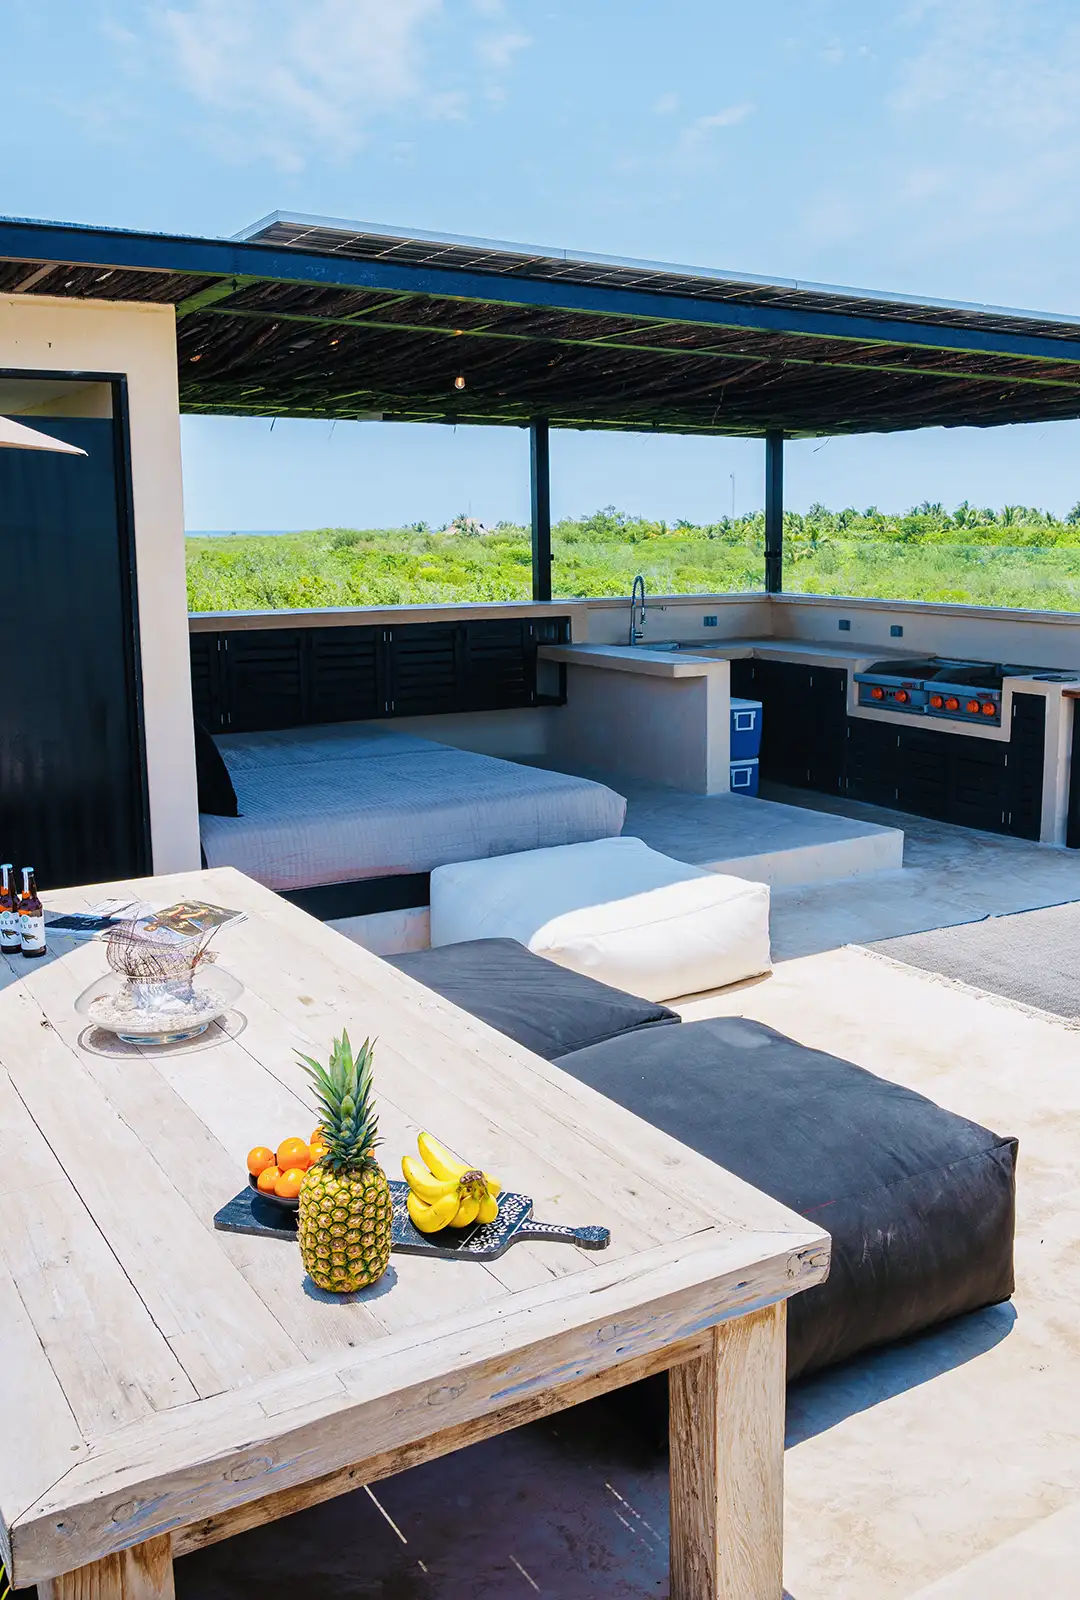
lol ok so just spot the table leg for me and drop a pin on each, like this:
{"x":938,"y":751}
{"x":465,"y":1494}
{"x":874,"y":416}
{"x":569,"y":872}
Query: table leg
{"x":727,"y":1463}
{"x":142,"y":1573}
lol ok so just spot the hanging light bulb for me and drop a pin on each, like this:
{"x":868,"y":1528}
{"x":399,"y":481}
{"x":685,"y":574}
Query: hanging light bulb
{"x":459,"y":382}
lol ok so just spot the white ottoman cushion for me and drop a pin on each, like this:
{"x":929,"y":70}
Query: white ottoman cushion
{"x":613,"y":909}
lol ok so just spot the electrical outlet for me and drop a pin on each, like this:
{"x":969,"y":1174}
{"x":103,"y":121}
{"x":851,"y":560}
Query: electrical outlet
{"x":844,"y":625}
{"x":710,"y":622}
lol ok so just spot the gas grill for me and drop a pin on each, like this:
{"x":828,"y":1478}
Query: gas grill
{"x":934,"y":686}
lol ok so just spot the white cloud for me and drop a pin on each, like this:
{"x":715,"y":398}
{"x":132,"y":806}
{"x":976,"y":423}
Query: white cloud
{"x":997,"y":86}
{"x":293,"y":80}
{"x":699,"y":130}
{"x":299,"y":74}
{"x":499,"y":49}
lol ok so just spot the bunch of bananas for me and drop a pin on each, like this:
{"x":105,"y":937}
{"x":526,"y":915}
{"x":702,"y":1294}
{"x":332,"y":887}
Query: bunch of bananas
{"x":444,"y":1192}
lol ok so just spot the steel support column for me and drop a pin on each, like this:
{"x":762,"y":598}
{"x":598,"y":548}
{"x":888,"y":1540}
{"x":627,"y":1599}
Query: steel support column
{"x":774,"y":513}
{"x":540,"y":466}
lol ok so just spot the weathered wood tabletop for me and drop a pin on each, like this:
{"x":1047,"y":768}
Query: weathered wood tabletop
{"x":163,"y":1385}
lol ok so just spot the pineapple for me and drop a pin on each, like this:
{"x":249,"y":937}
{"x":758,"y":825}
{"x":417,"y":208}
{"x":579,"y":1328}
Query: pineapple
{"x":346,"y":1213}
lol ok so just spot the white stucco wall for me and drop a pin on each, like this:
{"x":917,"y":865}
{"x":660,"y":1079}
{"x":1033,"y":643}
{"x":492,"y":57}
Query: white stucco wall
{"x":43,"y":334}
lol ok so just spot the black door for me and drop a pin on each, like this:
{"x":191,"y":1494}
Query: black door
{"x":72,"y":777}
{"x":803,"y":721}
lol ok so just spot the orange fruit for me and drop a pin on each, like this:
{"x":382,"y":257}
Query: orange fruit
{"x":318,"y":1150}
{"x":293,"y":1153}
{"x":268,"y":1177}
{"x":288,"y":1184}
{"x":318,"y":1135}
{"x":259,"y":1159}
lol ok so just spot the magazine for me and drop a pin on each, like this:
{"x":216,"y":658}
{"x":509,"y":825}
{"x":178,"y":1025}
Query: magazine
{"x":191,"y":919}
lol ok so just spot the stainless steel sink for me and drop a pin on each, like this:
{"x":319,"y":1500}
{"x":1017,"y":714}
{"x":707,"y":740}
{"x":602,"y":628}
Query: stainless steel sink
{"x":660,"y":644}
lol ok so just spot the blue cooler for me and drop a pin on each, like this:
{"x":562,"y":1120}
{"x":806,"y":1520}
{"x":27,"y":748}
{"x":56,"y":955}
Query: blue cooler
{"x":744,"y":776}
{"x":745,"y":730}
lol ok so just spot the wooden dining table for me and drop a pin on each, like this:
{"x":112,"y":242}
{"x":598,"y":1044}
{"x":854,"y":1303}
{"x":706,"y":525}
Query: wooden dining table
{"x":164,"y":1385}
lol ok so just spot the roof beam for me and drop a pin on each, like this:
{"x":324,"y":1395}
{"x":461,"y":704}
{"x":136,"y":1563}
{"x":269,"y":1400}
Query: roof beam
{"x":210,"y":296}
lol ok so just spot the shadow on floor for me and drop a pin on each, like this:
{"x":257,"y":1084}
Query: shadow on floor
{"x":818,"y":1403}
{"x":574,"y":1507}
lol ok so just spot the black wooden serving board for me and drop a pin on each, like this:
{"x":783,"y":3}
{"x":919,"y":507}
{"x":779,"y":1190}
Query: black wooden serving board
{"x":251,"y":1212}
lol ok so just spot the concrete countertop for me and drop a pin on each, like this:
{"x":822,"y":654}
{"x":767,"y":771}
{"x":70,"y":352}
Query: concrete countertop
{"x":812,"y":651}
{"x":691,"y":658}
{"x":625,"y":658}
{"x":381,"y":616}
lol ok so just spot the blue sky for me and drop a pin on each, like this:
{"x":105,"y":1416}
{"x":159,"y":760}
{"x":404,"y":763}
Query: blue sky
{"x":925,"y":146}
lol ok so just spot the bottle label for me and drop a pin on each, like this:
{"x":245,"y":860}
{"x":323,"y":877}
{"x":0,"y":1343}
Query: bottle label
{"x":10,"y":937}
{"x":32,"y":932}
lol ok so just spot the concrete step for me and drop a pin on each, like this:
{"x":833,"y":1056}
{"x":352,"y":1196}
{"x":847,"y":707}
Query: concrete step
{"x":1041,"y":1563}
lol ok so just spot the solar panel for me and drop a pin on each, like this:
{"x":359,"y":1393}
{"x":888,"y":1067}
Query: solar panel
{"x":376,"y":242}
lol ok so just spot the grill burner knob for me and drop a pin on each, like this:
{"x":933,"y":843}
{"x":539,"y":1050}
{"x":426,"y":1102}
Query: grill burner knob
{"x":972,"y":708}
{"x":952,"y":703}
{"x":902,"y":697}
{"x":936,"y":701}
{"x":989,"y":709}
{"x":877,"y":693}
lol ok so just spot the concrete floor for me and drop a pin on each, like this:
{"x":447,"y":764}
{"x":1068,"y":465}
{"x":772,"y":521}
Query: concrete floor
{"x":950,"y":875}
{"x":902,"y":1467}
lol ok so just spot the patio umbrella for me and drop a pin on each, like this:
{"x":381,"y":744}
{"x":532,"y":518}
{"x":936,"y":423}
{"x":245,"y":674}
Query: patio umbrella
{"x":16,"y":436}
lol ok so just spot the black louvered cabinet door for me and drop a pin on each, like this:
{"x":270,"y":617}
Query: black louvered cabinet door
{"x":499,"y":662}
{"x":346,"y":674}
{"x":263,"y":672}
{"x":206,"y":690}
{"x":423,"y":666}
{"x":1027,"y":748}
{"x":924,"y":772}
{"x":872,"y":762}
{"x":826,"y":719}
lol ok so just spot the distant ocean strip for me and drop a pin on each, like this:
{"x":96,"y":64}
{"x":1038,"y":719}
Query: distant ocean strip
{"x":237,"y":533}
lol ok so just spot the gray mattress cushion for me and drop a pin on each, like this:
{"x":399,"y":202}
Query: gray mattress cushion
{"x":549,"y":1009}
{"x":920,"y":1203}
{"x":342,"y":803}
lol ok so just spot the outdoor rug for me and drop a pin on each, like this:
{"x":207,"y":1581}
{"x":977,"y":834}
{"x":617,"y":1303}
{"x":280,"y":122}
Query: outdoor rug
{"x":1030,"y":957}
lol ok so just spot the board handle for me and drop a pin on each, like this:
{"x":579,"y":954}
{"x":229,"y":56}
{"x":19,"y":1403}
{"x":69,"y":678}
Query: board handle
{"x":591,"y":1238}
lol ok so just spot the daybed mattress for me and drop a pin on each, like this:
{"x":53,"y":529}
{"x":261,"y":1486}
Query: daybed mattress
{"x":347,"y":801}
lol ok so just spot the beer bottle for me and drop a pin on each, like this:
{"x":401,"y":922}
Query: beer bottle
{"x":10,"y":940}
{"x":31,"y":917}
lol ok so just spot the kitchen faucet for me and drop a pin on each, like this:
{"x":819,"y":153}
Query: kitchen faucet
{"x":637,"y":625}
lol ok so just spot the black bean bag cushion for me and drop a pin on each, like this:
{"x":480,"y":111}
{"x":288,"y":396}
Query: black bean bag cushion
{"x":919,"y":1202}
{"x":547,"y":1008}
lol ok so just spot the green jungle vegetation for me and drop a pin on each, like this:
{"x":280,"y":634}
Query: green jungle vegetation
{"x":1018,"y":556}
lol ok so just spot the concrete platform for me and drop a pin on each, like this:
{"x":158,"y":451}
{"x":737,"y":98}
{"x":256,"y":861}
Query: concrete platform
{"x":950,"y":875}
{"x":776,"y":843}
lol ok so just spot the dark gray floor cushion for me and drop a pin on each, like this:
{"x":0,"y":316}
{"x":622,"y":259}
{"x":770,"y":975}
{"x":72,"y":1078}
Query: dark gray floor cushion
{"x":547,"y":1008}
{"x":919,"y":1202}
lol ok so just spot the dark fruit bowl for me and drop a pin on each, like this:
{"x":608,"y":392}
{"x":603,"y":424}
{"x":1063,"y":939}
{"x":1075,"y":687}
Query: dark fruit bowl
{"x":273,"y":1199}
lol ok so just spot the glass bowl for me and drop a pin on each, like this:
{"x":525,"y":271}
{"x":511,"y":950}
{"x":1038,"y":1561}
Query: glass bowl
{"x":140,"y":1012}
